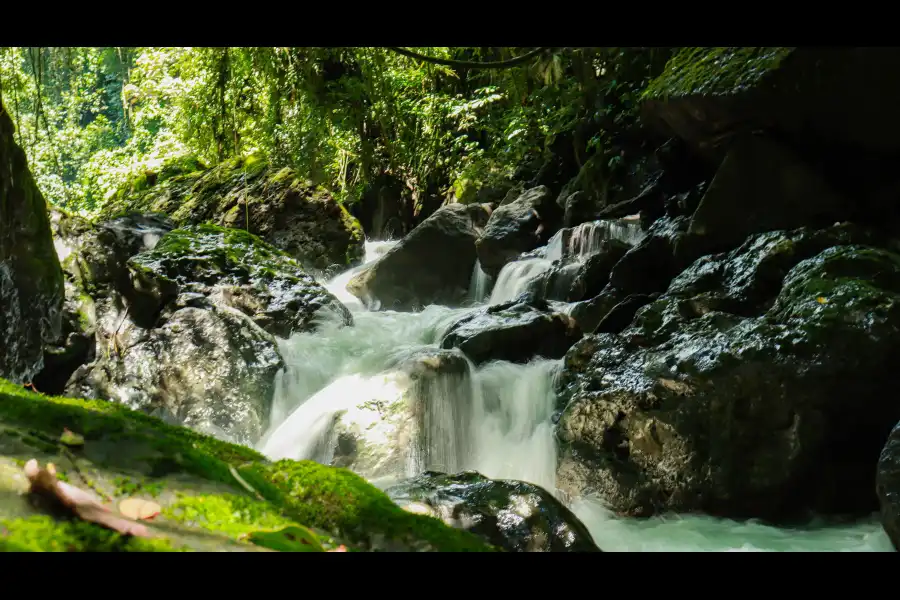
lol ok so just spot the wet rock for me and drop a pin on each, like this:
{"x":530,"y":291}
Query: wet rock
{"x":513,"y":515}
{"x":191,"y":333}
{"x":232,"y":268}
{"x":766,"y":416}
{"x":651,"y":264}
{"x":295,"y":216}
{"x":518,"y":227}
{"x":431,"y":265}
{"x":581,"y":277}
{"x":587,"y":314}
{"x":515,"y":331}
{"x":213,"y":370}
{"x":93,"y":258}
{"x":888,"y":486}
{"x":707,"y":95}
{"x":31,"y":282}
{"x":761,"y":186}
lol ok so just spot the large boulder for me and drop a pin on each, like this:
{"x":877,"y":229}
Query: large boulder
{"x":395,"y":424}
{"x":519,"y":226}
{"x":191,"y":333}
{"x":776,"y":408}
{"x":838,"y":95}
{"x":515,"y":331}
{"x":888,"y":487}
{"x":513,"y":515}
{"x":31,"y":281}
{"x":293,"y":215}
{"x":209,"y":369}
{"x":431,"y":265}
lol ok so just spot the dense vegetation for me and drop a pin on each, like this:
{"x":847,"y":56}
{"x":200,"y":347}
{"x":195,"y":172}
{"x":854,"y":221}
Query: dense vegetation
{"x":94,"y":120}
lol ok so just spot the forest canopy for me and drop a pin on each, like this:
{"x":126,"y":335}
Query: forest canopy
{"x":91,"y":120}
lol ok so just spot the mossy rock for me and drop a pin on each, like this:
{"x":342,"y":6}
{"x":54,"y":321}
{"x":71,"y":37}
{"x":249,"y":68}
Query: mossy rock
{"x":240,"y":270}
{"x":839,"y":95}
{"x":214,"y":495}
{"x":31,"y":281}
{"x":760,"y":386}
{"x":247,"y":193}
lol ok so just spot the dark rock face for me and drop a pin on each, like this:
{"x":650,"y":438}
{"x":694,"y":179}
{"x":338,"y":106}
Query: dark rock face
{"x":185,"y":329}
{"x":761,"y":186}
{"x":650,"y":265}
{"x":838,"y":95}
{"x":516,"y":331}
{"x":513,"y":515}
{"x":94,"y":259}
{"x":583,"y":277}
{"x":31,"y":282}
{"x":431,"y":265}
{"x":759,"y":385}
{"x":294,"y":216}
{"x":888,"y":486}
{"x":517,"y":227}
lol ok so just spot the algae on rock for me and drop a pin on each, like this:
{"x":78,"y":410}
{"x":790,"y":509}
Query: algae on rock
{"x":246,"y":193}
{"x":213,"y":493}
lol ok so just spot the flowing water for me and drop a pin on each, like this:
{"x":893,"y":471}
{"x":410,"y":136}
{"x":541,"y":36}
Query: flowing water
{"x":495,"y":419}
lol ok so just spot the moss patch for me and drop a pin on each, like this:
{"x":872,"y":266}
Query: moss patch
{"x":192,"y":477}
{"x":46,"y":534}
{"x":715,"y":71}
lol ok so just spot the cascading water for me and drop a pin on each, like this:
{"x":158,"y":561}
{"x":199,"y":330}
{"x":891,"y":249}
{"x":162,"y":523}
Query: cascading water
{"x":495,"y":419}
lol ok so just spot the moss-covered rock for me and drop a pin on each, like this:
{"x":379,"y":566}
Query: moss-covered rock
{"x":777,"y":407}
{"x":303,"y":220}
{"x":214,"y":496}
{"x":234,"y":268}
{"x":838,"y":95}
{"x":194,"y":336}
{"x":31,"y":281}
{"x":431,"y":265}
{"x":513,"y":515}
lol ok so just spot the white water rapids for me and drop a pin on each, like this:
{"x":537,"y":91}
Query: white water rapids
{"x":504,"y":429}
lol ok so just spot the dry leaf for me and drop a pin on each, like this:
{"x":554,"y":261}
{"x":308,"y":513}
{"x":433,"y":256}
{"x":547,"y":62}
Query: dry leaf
{"x":83,"y":504}
{"x":70,"y":438}
{"x":822,"y":300}
{"x":135,"y":508}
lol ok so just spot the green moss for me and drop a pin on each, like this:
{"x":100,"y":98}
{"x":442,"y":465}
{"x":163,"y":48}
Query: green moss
{"x":230,"y":514}
{"x":45,"y":534}
{"x":325,"y":499}
{"x":715,"y":71}
{"x":345,"y":505}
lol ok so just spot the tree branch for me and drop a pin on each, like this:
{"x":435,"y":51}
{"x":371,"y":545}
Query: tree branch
{"x":466,"y":64}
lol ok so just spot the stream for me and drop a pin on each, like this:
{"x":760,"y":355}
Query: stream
{"x":508,"y":432}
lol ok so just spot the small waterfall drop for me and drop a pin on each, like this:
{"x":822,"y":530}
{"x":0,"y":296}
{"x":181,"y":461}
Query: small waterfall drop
{"x":480,"y":285}
{"x":515,"y":277}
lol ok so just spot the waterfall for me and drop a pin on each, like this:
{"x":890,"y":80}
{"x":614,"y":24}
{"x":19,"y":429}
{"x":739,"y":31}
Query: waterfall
{"x":480,"y":284}
{"x":515,"y":277}
{"x":382,"y":399}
